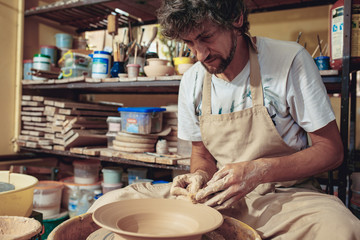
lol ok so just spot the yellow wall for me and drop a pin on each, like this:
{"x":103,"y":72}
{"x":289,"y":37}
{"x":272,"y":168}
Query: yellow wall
{"x":286,"y":25}
{"x":10,"y":59}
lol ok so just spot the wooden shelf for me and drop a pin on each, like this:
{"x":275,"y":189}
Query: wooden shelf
{"x":90,"y":15}
{"x":332,"y":84}
{"x":103,"y":158}
{"x":136,"y":87}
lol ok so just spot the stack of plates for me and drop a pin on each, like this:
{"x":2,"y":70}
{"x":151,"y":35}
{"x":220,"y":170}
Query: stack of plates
{"x":134,"y":143}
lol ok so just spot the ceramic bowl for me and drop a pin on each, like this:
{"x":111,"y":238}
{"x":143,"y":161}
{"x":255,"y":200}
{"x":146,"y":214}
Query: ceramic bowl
{"x":151,"y":219}
{"x":17,"y":202}
{"x":156,"y":61}
{"x":158,"y":70}
{"x":182,"y":68}
{"x":181,"y":60}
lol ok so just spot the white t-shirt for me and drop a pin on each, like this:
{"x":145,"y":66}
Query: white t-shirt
{"x":294,"y":93}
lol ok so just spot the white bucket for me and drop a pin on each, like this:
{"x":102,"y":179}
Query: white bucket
{"x":101,"y":64}
{"x":41,"y":62}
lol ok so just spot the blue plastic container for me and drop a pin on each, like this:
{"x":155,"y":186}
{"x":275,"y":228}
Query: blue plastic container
{"x":50,"y":51}
{"x":143,"y":120}
{"x":64,"y":40}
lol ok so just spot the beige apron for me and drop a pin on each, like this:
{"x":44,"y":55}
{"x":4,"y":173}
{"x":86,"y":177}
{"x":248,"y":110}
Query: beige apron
{"x":248,"y":135}
{"x":276,"y":213}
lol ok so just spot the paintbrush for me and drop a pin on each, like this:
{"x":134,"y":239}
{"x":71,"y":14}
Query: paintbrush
{"x":319,"y":44}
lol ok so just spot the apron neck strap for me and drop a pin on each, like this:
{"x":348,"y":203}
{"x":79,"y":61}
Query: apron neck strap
{"x":255,"y":79}
{"x":255,"y":85}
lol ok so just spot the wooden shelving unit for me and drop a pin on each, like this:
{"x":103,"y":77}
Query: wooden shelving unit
{"x":76,"y":14}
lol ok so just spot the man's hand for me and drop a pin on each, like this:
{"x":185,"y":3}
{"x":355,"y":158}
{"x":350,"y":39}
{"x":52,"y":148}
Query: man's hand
{"x":231,"y":183}
{"x":188,"y":184}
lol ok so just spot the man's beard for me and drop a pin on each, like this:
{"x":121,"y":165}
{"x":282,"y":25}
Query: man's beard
{"x":224,"y":63}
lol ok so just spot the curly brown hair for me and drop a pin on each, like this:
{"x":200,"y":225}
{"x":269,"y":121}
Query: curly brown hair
{"x":179,"y":17}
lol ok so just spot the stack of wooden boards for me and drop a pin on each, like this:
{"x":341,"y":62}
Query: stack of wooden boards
{"x":59,"y":124}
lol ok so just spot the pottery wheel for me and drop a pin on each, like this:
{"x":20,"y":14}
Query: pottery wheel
{"x":104,"y":234}
{"x":230,"y":229}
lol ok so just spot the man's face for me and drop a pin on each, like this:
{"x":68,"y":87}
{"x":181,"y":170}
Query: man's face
{"x":214,"y":47}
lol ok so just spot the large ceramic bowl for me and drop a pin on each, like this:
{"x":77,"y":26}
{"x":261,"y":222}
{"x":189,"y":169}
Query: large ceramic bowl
{"x":18,"y":202}
{"x":150,"y":219}
{"x":158,"y":70}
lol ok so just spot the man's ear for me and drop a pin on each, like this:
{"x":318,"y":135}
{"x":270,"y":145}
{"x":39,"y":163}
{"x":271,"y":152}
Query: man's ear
{"x":239,"y":22}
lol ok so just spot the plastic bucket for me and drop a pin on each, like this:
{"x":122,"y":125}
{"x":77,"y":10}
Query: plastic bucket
{"x":112,"y":175}
{"x":63,"y":40}
{"x":86,"y":172}
{"x":50,"y":51}
{"x":70,"y":185}
{"x":136,"y":173}
{"x":47,"y":198}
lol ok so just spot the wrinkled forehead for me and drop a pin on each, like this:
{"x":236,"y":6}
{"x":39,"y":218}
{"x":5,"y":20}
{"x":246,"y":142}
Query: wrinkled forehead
{"x":197,"y":29}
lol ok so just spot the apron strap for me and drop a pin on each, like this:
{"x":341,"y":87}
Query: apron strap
{"x":255,"y":79}
{"x":206,"y":96}
{"x":255,"y":85}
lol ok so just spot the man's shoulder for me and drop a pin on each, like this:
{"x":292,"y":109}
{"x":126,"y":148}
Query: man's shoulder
{"x":267,"y":45}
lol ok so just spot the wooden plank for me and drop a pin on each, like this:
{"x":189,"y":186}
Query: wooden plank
{"x":26,"y":113}
{"x":166,"y":160}
{"x":85,"y":140}
{"x":50,"y":110}
{"x":38,"y":98}
{"x":59,"y":148}
{"x":107,"y":152}
{"x":32,"y":133}
{"x":87,"y":113}
{"x":31,"y":103}
{"x":38,"y":124}
{"x":92,"y":151}
{"x":185,"y":162}
{"x":110,"y":80}
{"x":135,"y":156}
{"x":49,"y":136}
{"x":89,"y":106}
{"x":26,"y":97}
{"x":29,"y":138}
{"x":35,"y":109}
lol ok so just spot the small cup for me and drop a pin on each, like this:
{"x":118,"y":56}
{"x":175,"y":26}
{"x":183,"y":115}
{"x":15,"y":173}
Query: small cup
{"x":322,"y":62}
{"x":133,"y":70}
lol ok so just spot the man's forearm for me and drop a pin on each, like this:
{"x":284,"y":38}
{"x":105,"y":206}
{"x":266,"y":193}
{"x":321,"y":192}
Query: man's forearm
{"x":326,"y":153}
{"x":201,"y":159}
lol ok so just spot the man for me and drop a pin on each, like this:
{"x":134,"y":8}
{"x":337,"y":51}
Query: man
{"x":247,"y":105}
